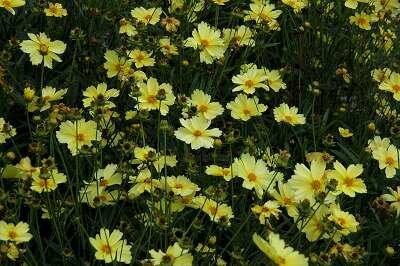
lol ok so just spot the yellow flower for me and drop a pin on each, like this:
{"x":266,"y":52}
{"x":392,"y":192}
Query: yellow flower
{"x":268,"y":209}
{"x":242,"y":36}
{"x":388,"y":159}
{"x":55,"y":10}
{"x":345,"y":132}
{"x":289,"y":115}
{"x":49,"y":94}
{"x":99,"y":96}
{"x":313,"y":225}
{"x":381,"y":75}
{"x":389,"y":6}
{"x":285,"y":196}
{"x":208,"y":41}
{"x":297,"y":5}
{"x":218,"y":212}
{"x":181,"y":185}
{"x":111,"y":247}
{"x":308,"y":183}
{"x":348,"y":183}
{"x":78,"y":134}
{"x":41,"y":49}
{"x":363,"y":20}
{"x":130,"y":114}
{"x":141,"y":58}
{"x":167,"y":48}
{"x":143,"y":154}
{"x":277,"y":251}
{"x":9,"y":5}
{"x":26,"y":168}
{"x":353,"y":4}
{"x":344,"y":221}
{"x":171,"y":24}
{"x":243,"y":108}
{"x":143,"y":182}
{"x":104,"y":178}
{"x":196,"y":133}
{"x":154,"y":96}
{"x":274,"y":80}
{"x":6,"y":131}
{"x":147,"y":16}
{"x":116,"y":65}
{"x":174,"y":256}
{"x":215,"y":170}
{"x":205,"y":108}
{"x":254,"y":173}
{"x":394,"y":199}
{"x":125,"y":26}
{"x":265,"y":13}
{"x":29,"y":94}
{"x":47,"y":181}
{"x":18,"y":233}
{"x":220,"y":2}
{"x":250,"y":80}
{"x":163,"y":161}
{"x":392,"y":85}
{"x":378,"y":143}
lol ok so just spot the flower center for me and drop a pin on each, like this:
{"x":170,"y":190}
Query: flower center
{"x":197,"y":133}
{"x":44,"y":49}
{"x":362,"y":21}
{"x":80,"y":137}
{"x":246,"y":112}
{"x":249,"y":83}
{"x":106,"y":249}
{"x":12,"y":234}
{"x":348,"y":182}
{"x":7,"y":4}
{"x":151,"y":99}
{"x":251,"y":177}
{"x":389,"y":161}
{"x":103,"y":182}
{"x":148,"y":18}
{"x":316,"y":184}
{"x":178,"y":186}
{"x":396,"y":88}
{"x":202,"y":108}
{"x":204,"y":43}
{"x":288,"y":118}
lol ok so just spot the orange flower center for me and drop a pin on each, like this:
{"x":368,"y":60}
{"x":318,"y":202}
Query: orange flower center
{"x":213,"y":210}
{"x":396,"y":88}
{"x":12,"y":234}
{"x":151,"y":99}
{"x":106,"y":249}
{"x":202,"y":108}
{"x":316,"y":184}
{"x":148,"y":18}
{"x":252,"y":177}
{"x":204,"y":43}
{"x":249,"y":83}
{"x":348,"y":182}
{"x":178,"y":186}
{"x":103,"y":182}
{"x":80,"y":137}
{"x":197,"y":133}
{"x":389,"y":161}
{"x":362,"y":21}
{"x":7,"y":4}
{"x":246,"y":112}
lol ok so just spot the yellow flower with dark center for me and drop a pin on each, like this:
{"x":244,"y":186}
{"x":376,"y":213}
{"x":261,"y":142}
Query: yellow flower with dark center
{"x":17,"y":233}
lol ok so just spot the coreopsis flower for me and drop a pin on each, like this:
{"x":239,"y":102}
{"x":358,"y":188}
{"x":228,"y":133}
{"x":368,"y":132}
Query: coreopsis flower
{"x":263,"y":13}
{"x":215,"y":170}
{"x":164,"y":161}
{"x":194,"y":131}
{"x":285,"y":197}
{"x":9,"y":5}
{"x":278,"y":252}
{"x":254,"y":173}
{"x":274,"y":80}
{"x":155,"y":96}
{"x":388,"y":6}
{"x":289,"y":115}
{"x":205,"y":108}
{"x":378,"y":143}
{"x":394,"y":198}
{"x":308,"y":183}
{"x":41,"y":49}
{"x":243,"y":108}
{"x":171,"y":24}
{"x":97,"y":199}
{"x":265,"y":211}
{"x":147,"y":16}
{"x":208,"y":41}
{"x":174,"y":256}
{"x":167,"y":48}
{"x":55,"y":10}
{"x":313,"y":226}
{"x":345,"y":222}
{"x":181,"y":185}
{"x":111,"y":247}
{"x":363,"y":20}
{"x":348,"y":183}
{"x":141,"y":58}
{"x":388,"y":159}
{"x":125,"y":26}
{"x":353,"y":4}
{"x":17,"y":233}
{"x":25,"y":167}
{"x":345,"y":132}
{"x":381,"y":75}
{"x":143,"y":182}
{"x":242,"y":36}
{"x":104,"y":178}
{"x":49,"y":95}
{"x":143,"y":154}
{"x":297,"y":5}
{"x":392,"y":85}
{"x":6,"y":131}
{"x":99,"y":95}
{"x":43,"y":181}
{"x":218,"y":212}
{"x":249,"y":80}
{"x":116,"y":65}
{"x":78,"y":134}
